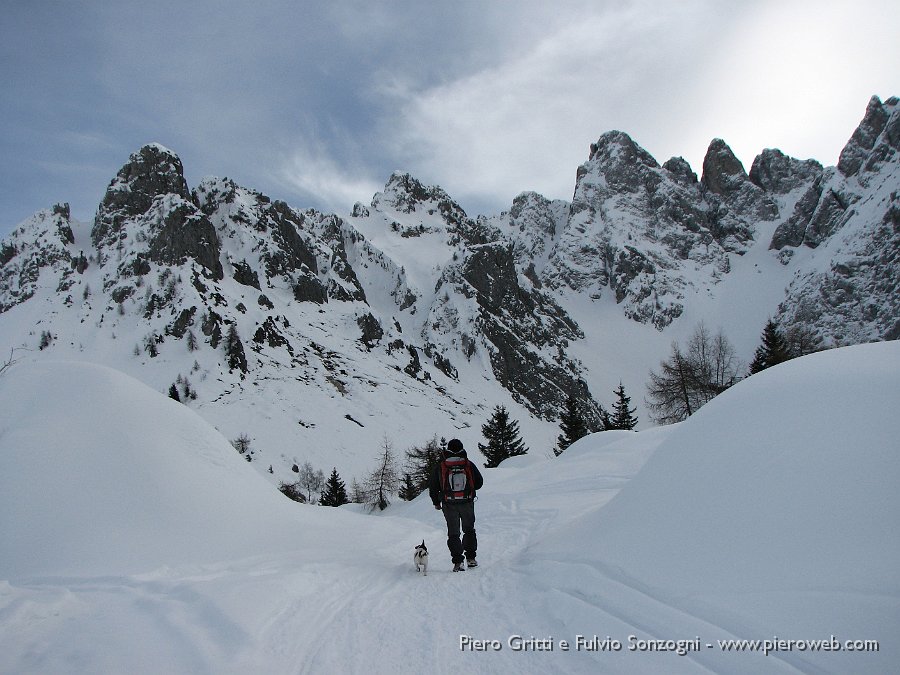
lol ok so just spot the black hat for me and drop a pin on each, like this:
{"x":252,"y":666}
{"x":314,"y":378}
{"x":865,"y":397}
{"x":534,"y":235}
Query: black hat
{"x":455,"y":447}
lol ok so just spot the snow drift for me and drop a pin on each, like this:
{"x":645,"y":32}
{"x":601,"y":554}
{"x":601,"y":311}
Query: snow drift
{"x":773,"y":509}
{"x":102,"y":475}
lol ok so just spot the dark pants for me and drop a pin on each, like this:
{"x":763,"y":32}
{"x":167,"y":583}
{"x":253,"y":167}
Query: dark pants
{"x":456,"y":514}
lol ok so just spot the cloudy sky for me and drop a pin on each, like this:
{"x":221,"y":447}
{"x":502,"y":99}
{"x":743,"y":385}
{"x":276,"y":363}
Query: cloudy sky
{"x":317,"y":103}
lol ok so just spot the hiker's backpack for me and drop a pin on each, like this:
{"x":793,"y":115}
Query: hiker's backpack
{"x":457,"y":482}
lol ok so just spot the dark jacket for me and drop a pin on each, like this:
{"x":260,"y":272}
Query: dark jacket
{"x":434,"y":485}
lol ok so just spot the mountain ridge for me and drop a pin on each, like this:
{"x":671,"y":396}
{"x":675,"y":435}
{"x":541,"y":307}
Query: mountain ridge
{"x":446,"y":313}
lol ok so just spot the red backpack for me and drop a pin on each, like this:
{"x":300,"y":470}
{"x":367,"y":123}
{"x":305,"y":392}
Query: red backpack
{"x":457,"y":482}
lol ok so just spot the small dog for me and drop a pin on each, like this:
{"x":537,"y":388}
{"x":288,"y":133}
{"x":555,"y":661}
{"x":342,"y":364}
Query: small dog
{"x":420,"y":559}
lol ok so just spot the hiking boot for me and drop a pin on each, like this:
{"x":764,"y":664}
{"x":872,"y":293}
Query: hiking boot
{"x":458,"y":567}
{"x":472,"y":562}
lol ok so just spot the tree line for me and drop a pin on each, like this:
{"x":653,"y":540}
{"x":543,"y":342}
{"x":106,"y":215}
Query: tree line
{"x":691,"y":376}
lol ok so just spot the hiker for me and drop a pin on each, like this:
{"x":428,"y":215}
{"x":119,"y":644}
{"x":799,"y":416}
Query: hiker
{"x":452,"y":489}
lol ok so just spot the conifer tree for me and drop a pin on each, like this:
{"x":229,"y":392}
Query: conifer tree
{"x":173,"y":393}
{"x":572,"y":425}
{"x":503,"y":440}
{"x":408,"y":488}
{"x":421,"y":462}
{"x":234,"y":350}
{"x":623,"y":417}
{"x":773,"y":350}
{"x":335,"y":492}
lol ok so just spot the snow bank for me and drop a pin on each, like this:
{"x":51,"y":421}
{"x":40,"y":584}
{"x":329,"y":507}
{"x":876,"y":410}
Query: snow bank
{"x":102,"y":475}
{"x":775,"y":508}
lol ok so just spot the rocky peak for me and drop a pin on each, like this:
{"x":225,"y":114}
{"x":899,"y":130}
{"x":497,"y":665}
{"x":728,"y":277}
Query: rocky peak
{"x":681,"y":171}
{"x":870,"y":156}
{"x":776,"y":172}
{"x":863,"y":140}
{"x":149,"y":199}
{"x":617,"y":147}
{"x":727,"y":184}
{"x":40,"y":242}
{"x":404,"y":193}
{"x":152,"y":171}
{"x":723,"y":172}
{"x":623,"y":163}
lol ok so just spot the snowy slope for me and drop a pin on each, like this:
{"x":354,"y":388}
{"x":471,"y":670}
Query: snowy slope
{"x":759,"y":516}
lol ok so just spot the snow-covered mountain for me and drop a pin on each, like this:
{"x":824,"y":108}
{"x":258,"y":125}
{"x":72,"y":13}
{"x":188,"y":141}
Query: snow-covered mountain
{"x":319,"y":335}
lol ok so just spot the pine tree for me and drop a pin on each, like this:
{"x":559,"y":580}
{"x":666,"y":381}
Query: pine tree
{"x":802,"y":340}
{"x":503,"y":440}
{"x":773,"y":350}
{"x":173,"y":393}
{"x":408,"y":488}
{"x":572,"y":425}
{"x":234,"y":350}
{"x":421,"y":462}
{"x":335,"y":493}
{"x":623,"y":416}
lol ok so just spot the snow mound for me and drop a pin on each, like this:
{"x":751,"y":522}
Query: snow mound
{"x":774,"y":507}
{"x":103,"y":475}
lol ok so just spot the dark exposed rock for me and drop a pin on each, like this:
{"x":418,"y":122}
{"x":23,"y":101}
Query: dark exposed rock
{"x":80,"y":263}
{"x":212,"y":327}
{"x":441,"y":362}
{"x":246,"y":275}
{"x":414,"y":367}
{"x":185,"y":319}
{"x":777,"y":173}
{"x":150,"y":191}
{"x":723,"y":173}
{"x":724,"y":177}
{"x":121,"y":294}
{"x":308,"y":288}
{"x":681,"y":171}
{"x":292,"y":252}
{"x":269,"y":333}
{"x":185,"y":233}
{"x":7,"y":253}
{"x":862,"y":142}
{"x":149,"y":173}
{"x":65,"y":229}
{"x":518,"y":323}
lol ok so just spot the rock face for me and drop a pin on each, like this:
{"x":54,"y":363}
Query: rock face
{"x":471,"y":296}
{"x":150,"y":195}
{"x":44,"y":242}
{"x":851,"y":214}
{"x":633,"y":227}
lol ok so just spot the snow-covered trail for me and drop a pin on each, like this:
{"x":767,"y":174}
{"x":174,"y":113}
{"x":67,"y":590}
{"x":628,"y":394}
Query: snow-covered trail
{"x":376,"y":613}
{"x":354,"y":603}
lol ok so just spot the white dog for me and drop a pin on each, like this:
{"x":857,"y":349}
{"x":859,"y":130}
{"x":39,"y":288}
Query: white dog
{"x":420,"y":558}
